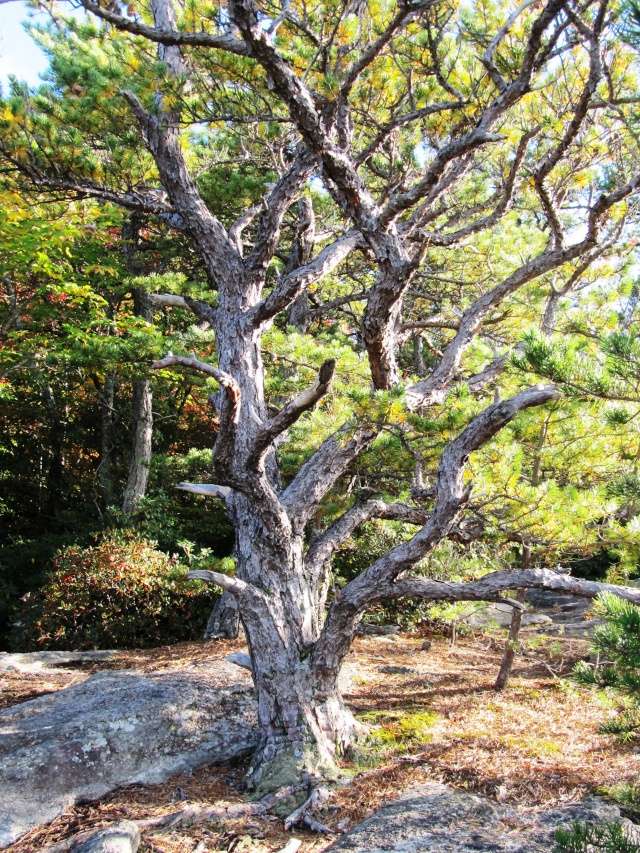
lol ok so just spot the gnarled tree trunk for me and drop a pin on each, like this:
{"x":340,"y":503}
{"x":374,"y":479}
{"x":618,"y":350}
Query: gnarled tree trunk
{"x":304,"y":725}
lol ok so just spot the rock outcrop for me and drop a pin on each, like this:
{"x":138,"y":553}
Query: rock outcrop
{"x":438,"y":818}
{"x":499,"y":616}
{"x":34,"y":662}
{"x":115,"y":728}
{"x":121,"y":837}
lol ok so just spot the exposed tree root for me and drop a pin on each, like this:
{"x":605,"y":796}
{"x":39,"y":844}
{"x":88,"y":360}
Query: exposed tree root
{"x":302,"y":814}
{"x":190,"y":813}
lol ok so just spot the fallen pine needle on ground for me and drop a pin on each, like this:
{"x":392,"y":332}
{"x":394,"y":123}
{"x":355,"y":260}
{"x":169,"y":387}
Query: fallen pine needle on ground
{"x":434,"y":715}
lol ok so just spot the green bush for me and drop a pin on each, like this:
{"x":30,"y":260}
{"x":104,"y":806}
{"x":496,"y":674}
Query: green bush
{"x":119,"y":593}
{"x":617,"y":644}
{"x":594,"y":838}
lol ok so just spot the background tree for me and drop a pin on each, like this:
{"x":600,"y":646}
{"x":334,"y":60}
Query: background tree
{"x":617,"y":645}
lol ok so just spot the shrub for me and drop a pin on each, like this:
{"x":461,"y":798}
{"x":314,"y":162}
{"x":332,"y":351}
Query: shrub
{"x":121,"y":592}
{"x":617,"y":644}
{"x":594,"y":838}
{"x":23,"y":566}
{"x":626,"y":795}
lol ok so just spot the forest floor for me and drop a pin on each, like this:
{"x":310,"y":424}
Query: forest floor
{"x":436,"y":716}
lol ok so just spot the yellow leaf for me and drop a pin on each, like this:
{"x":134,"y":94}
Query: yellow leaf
{"x":7,"y":116}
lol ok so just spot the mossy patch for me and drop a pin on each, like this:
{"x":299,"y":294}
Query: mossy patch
{"x":391,"y":733}
{"x":291,"y":767}
{"x":536,"y":747}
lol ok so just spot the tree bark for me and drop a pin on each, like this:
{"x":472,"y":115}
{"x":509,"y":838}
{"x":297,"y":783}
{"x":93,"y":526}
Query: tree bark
{"x":140,"y":460}
{"x":301,"y":730}
{"x":142,"y":401}
{"x":224,"y":620}
{"x":511,"y":646}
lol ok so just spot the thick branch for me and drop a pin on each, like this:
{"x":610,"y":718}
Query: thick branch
{"x":319,"y":473}
{"x":296,"y":407}
{"x":480,"y":134}
{"x":501,"y":207}
{"x":292,"y":284}
{"x":402,"y":17}
{"x":162,"y":135}
{"x":402,"y":120}
{"x":167,"y":36}
{"x":138,"y":201}
{"x":324,"y":546}
{"x":487,"y":58}
{"x":338,"y":166}
{"x":245,"y":219}
{"x":494,"y":584}
{"x":229,"y":384}
{"x":201,"y":309}
{"x":274,"y":208}
{"x":238,"y":587}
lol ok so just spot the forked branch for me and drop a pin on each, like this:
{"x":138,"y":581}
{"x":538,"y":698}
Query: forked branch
{"x":296,"y":407}
{"x":229,"y":384}
{"x":450,"y":497}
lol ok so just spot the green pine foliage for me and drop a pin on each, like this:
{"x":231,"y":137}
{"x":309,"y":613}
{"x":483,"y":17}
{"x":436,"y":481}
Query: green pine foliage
{"x":617,"y":646}
{"x":594,"y":838}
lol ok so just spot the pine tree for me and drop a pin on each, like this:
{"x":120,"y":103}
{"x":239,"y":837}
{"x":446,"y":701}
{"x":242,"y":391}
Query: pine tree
{"x":617,"y":646}
{"x":431,"y":182}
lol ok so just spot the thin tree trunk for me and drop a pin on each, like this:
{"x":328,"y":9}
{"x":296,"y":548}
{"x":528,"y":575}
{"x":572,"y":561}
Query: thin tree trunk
{"x":105,"y":468}
{"x":140,"y":460}
{"x":511,"y":646}
{"x":224,"y":620}
{"x":142,"y":405}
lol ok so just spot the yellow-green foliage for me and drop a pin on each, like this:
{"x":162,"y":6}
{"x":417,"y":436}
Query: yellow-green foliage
{"x":625,"y":794}
{"x":536,"y":747}
{"x":393,"y":732}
